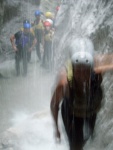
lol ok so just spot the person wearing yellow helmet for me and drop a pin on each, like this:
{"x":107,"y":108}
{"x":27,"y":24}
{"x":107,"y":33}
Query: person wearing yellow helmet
{"x":49,"y":15}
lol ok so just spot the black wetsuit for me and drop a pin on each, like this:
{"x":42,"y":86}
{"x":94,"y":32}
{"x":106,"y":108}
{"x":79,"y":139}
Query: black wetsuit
{"x":23,"y":43}
{"x":74,"y":124}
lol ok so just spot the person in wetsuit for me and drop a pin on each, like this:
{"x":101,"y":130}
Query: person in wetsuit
{"x":38,"y":29}
{"x":78,"y":87}
{"x":22,"y":42}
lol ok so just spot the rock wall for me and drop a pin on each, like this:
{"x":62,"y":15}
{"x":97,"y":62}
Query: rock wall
{"x":1,"y":13}
{"x":10,"y":9}
{"x":91,"y":19}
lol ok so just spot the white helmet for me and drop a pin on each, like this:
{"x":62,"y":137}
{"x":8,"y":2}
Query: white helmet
{"x":82,"y":52}
{"x":49,"y":20}
{"x":84,"y":58}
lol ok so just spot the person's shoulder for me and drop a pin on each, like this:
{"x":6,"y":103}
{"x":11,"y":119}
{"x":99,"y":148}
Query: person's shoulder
{"x":22,"y":29}
{"x":18,"y":33}
{"x":62,"y":77}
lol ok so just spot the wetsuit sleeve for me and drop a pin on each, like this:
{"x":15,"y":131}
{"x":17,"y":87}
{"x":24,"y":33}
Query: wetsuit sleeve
{"x":96,"y":92}
{"x":17,"y":35}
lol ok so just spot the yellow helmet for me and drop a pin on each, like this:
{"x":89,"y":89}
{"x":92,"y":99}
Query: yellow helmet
{"x":48,"y":15}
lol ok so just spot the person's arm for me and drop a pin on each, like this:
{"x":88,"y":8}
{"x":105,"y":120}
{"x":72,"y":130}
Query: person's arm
{"x":103,"y":63}
{"x":33,"y":44}
{"x":103,"y":69}
{"x":12,"y":39}
{"x":56,"y":99}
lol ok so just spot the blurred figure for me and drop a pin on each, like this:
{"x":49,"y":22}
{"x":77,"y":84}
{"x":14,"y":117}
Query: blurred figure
{"x":48,"y":35}
{"x":32,"y":32}
{"x":57,"y":9}
{"x":52,"y":24}
{"x":78,"y":86}
{"x":50,"y":21}
{"x":49,"y":15}
{"x":22,"y":42}
{"x":39,"y":32}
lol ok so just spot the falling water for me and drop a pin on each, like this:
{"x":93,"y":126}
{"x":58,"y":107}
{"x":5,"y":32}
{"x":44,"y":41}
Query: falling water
{"x":22,"y":96}
{"x":92,"y":19}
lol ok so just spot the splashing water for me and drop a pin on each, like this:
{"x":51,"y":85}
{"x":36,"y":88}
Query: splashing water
{"x":92,"y":19}
{"x":75,"y":19}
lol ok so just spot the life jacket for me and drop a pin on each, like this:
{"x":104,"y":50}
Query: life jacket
{"x":92,"y":102}
{"x":48,"y":36}
{"x":38,"y":30}
{"x":38,"y":25}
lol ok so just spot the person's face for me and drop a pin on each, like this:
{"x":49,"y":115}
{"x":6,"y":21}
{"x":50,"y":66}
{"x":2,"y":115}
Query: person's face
{"x":82,"y":73}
